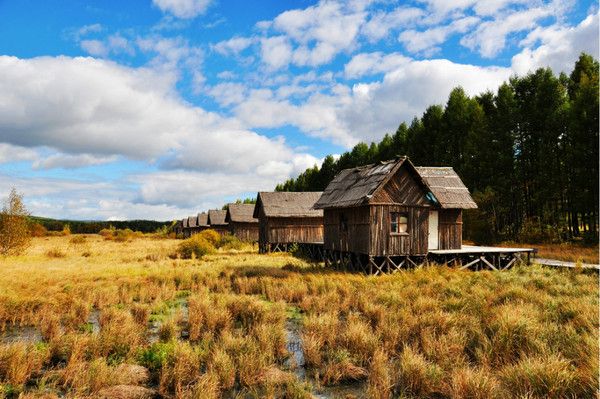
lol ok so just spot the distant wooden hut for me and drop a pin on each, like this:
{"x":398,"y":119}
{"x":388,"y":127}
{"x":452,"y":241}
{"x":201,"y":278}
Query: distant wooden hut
{"x":242,"y":223}
{"x":202,"y":221}
{"x":178,"y":228}
{"x":216,"y":221}
{"x":287,"y":218}
{"x":193,"y":225}
{"x":185,"y":225}
{"x":393,"y":209}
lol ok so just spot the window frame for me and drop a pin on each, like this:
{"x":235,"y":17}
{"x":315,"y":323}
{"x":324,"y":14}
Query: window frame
{"x":398,"y":224}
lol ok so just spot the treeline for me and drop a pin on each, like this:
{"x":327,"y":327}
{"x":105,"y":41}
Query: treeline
{"x":94,"y":227}
{"x":528,"y":153}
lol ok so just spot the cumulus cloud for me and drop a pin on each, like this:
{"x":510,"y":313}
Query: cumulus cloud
{"x":381,"y":23}
{"x":372,"y":63}
{"x":490,"y":37}
{"x":427,"y":41}
{"x":557,"y":46}
{"x":68,"y":161}
{"x":376,"y":108}
{"x":233,"y":46}
{"x":318,"y":33}
{"x":94,"y":47}
{"x":183,"y":8}
{"x":12,"y":153}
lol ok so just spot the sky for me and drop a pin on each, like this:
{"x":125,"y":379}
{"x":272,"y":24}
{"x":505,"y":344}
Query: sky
{"x":160,"y":109}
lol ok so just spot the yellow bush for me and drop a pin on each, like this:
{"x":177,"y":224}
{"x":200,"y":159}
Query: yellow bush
{"x":196,"y":246}
{"x":211,"y":236}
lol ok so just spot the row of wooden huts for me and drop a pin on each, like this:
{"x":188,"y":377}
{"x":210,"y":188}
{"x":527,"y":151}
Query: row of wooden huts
{"x":386,"y":209}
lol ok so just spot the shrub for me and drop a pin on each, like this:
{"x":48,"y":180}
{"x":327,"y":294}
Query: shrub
{"x":107,"y":233}
{"x":66,"y":231}
{"x":55,"y":253}
{"x":38,"y":230}
{"x":230,"y":242}
{"x":14,"y":231}
{"x":211,"y":236}
{"x":196,"y":246}
{"x":78,"y":239}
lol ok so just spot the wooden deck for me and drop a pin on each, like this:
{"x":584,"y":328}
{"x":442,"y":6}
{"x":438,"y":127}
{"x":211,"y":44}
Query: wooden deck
{"x":473,"y":249}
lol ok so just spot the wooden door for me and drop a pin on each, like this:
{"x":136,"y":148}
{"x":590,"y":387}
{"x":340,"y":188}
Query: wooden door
{"x":433,"y":238}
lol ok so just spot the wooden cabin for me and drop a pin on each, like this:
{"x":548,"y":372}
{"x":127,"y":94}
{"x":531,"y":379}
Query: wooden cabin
{"x":202,"y":221}
{"x":242,"y":223}
{"x":286,"y":218}
{"x":193,"y":225}
{"x":216,"y":221}
{"x":185,"y":225}
{"x":178,"y":228}
{"x":394,"y":209}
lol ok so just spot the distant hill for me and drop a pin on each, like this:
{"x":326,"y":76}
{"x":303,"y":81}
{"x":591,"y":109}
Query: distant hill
{"x":93,"y":226}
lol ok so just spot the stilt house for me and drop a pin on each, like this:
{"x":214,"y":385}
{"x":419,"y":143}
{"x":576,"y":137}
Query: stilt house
{"x":216,"y":221}
{"x":185,"y":225}
{"x":242,"y":223}
{"x":286,"y":218}
{"x":394,"y":209}
{"x":202,"y":221}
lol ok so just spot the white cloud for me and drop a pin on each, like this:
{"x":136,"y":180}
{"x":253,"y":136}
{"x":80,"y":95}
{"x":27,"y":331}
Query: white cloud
{"x":94,"y":47}
{"x":318,"y":33}
{"x":276,"y":51}
{"x":559,"y":46}
{"x":372,"y":63}
{"x":381,"y":24}
{"x":11,"y":153}
{"x":376,"y":108}
{"x":233,"y":46}
{"x":490,"y":36}
{"x":183,"y":8}
{"x":68,"y":161}
{"x":426,"y":41}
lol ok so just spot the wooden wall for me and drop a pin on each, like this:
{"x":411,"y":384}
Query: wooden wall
{"x":450,"y":228}
{"x":222,"y":230}
{"x":402,"y":188}
{"x":382,"y":242}
{"x":290,"y":230}
{"x":356,"y":238}
{"x":245,"y":231}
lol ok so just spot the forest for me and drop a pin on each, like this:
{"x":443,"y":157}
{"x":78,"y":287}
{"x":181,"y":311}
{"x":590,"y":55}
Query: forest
{"x":528,"y":152}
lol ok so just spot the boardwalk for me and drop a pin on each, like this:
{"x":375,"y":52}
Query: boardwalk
{"x":560,"y":263}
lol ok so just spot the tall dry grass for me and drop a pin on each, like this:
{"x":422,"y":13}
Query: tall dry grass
{"x":216,"y":326}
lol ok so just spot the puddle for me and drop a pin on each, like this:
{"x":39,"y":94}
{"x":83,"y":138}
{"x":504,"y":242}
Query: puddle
{"x":93,"y":321}
{"x":25,"y":334}
{"x":297,"y":364}
{"x":180,"y":306}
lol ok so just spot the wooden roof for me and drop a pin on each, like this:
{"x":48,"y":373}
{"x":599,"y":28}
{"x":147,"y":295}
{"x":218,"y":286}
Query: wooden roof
{"x":203,"y":219}
{"x":184,"y":223}
{"x":193,"y":221}
{"x":288,"y":204}
{"x":356,"y":186}
{"x":240,"y":213}
{"x":446,"y":187}
{"x":216,"y":217}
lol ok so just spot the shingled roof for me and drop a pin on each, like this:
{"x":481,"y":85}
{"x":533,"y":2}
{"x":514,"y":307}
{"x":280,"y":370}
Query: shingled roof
{"x":240,"y":213}
{"x":192,"y":221}
{"x":356,"y":186}
{"x":446,"y":187}
{"x":288,"y":204}
{"x":184,"y":223}
{"x":216,"y":217}
{"x":203,"y":219}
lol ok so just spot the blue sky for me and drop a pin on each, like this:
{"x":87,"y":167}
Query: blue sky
{"x":163,"y":108}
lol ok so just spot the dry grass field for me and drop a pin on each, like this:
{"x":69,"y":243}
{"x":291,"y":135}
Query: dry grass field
{"x":89,"y":317}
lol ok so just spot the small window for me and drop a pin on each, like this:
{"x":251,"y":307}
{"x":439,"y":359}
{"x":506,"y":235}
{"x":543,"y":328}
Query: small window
{"x":399,"y":222}
{"x":343,"y":223}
